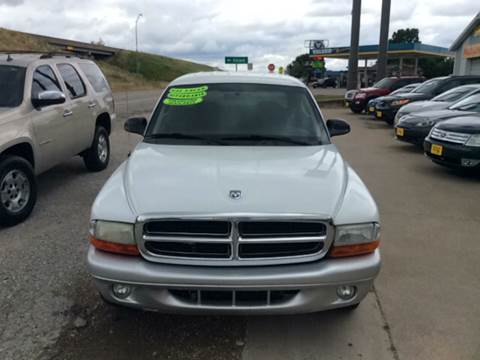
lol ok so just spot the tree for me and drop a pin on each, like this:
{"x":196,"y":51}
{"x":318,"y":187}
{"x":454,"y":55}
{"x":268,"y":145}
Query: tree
{"x":300,"y":67}
{"x":434,"y":66}
{"x":405,"y":35}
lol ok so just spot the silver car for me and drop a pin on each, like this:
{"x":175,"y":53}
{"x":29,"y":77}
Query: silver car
{"x":439,"y":102}
{"x":52,"y":107}
{"x":236,"y":201}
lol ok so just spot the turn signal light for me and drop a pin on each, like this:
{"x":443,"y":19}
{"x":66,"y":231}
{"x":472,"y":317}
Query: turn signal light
{"x":353,"y":250}
{"x":125,"y":249}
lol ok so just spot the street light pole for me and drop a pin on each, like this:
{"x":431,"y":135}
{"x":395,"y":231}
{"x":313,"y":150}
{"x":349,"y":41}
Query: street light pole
{"x":383,"y":44}
{"x":354,"y":40}
{"x":136,"y":38}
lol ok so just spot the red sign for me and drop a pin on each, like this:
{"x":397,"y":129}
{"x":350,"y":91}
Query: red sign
{"x":271,"y":67}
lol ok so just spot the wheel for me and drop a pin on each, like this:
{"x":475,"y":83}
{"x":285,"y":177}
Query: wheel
{"x":356,"y":109}
{"x":97,"y":157}
{"x":18,"y":190}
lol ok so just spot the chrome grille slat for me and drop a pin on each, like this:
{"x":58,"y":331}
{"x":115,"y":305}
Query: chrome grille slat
{"x":448,"y":136}
{"x":252,"y":240}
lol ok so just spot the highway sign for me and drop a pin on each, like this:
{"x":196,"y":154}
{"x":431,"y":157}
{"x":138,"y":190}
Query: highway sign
{"x":236,"y":59}
{"x":271,"y":67}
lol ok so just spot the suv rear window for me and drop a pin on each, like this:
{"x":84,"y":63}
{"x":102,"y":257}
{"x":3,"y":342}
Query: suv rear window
{"x":73,"y":82}
{"x":12,"y":82}
{"x":95,"y":77}
{"x":237,"y":114}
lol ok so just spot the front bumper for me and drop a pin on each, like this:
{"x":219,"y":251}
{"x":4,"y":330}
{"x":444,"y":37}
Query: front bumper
{"x":453,"y":155}
{"x":155,"y":286}
{"x":385,"y":113}
{"x":412,"y":135}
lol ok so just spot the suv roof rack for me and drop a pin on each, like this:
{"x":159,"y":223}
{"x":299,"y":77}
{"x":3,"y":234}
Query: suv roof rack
{"x":43,"y":54}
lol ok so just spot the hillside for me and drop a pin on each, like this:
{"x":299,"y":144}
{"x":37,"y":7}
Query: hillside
{"x":154,"y":70}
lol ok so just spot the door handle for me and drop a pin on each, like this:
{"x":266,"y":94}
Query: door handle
{"x":67,"y":113}
{"x":92,"y":105}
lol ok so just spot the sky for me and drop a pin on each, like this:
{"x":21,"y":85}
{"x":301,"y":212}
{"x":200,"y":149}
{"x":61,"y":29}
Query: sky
{"x":205,"y":31}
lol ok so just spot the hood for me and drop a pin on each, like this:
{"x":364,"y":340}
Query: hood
{"x":434,"y":115}
{"x":425,"y":105}
{"x":412,"y":96}
{"x":198,"y":179}
{"x":374,"y":91}
{"x":466,"y":125}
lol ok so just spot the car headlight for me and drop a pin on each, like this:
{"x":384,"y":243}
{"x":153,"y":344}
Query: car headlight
{"x":114,"y":237}
{"x":425,"y":123}
{"x":355,"y":239}
{"x":400,"y":102}
{"x":474,"y":140}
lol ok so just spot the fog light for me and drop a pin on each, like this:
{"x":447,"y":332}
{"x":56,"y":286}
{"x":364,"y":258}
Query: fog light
{"x":121,"y":291}
{"x":346,"y":292}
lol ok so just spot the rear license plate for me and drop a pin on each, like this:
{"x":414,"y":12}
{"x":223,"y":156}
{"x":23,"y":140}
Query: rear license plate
{"x":371,"y":109}
{"x":400,"y":131}
{"x":378,"y":114}
{"x":346,"y":104}
{"x":436,"y":149}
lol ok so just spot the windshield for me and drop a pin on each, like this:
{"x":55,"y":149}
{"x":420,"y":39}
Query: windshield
{"x":471,"y":103}
{"x":237,"y":114}
{"x":384,"y":83}
{"x":453,"y":94}
{"x":427,"y":87}
{"x":11,"y":85}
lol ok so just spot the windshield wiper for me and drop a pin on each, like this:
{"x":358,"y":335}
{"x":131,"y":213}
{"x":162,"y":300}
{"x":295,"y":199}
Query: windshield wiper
{"x":268,"y":138}
{"x":184,"y":136}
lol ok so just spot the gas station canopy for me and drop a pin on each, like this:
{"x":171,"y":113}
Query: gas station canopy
{"x":395,"y":50}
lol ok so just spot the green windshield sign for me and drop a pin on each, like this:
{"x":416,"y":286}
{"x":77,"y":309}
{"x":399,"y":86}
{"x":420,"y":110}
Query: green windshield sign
{"x":236,"y":59}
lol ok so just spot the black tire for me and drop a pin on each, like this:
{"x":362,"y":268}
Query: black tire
{"x":16,"y":181}
{"x":356,"y":109}
{"x":94,"y":158}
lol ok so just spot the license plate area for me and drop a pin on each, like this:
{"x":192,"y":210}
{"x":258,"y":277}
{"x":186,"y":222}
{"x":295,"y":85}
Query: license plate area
{"x":400,"y":131}
{"x":436,"y":149}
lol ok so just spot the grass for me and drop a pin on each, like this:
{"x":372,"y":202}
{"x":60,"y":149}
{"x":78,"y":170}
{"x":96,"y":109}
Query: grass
{"x":328,"y":98}
{"x":154,"y":71}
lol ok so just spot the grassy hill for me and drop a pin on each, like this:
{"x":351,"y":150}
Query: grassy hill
{"x":121,"y":70}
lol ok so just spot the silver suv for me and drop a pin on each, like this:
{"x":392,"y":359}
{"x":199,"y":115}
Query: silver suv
{"x":52,"y":107}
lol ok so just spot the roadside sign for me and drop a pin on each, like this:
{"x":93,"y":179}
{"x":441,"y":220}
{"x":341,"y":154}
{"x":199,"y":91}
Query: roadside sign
{"x":271,"y":67}
{"x":236,"y":60}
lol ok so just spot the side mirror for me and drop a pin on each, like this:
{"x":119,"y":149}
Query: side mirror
{"x":46,"y":98}
{"x":338,"y":127}
{"x":136,"y":125}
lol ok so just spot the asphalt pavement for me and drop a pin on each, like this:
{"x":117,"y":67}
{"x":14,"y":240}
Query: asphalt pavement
{"x":425,"y":304}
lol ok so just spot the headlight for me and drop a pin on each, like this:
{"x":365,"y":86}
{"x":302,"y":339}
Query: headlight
{"x":400,"y":102}
{"x":474,"y":140}
{"x":114,"y":237}
{"x":359,"y":239}
{"x":425,"y":123}
{"x":360,"y":95}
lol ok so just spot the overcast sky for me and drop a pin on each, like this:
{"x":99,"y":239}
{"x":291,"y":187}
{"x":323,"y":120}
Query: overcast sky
{"x":207,"y":30}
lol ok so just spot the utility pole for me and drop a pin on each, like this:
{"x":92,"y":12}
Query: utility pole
{"x":354,"y":40}
{"x":383,"y":47}
{"x":136,"y":39}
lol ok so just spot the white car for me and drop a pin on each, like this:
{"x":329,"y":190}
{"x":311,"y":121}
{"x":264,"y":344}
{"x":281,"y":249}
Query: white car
{"x":236,"y":201}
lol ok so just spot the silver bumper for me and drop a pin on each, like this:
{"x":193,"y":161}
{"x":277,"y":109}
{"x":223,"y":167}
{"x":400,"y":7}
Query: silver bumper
{"x":153,"y":285}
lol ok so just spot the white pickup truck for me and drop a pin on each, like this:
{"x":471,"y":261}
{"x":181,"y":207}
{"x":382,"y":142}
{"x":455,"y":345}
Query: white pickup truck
{"x":235,"y":201}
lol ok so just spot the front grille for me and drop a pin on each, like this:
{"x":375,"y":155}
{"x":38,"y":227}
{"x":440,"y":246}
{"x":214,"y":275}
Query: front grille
{"x":233,"y":298}
{"x":233,"y":241}
{"x":448,"y":136}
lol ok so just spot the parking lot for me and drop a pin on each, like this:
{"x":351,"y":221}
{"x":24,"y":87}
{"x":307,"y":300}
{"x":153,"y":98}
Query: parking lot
{"x":425,"y":304}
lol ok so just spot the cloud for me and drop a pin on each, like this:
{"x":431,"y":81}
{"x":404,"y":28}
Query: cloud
{"x":208,"y":30}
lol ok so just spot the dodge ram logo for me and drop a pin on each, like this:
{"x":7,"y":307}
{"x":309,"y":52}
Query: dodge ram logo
{"x":235,"y":194}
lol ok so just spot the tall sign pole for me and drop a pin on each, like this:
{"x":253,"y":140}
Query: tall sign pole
{"x":382,"y":50}
{"x":354,"y":41}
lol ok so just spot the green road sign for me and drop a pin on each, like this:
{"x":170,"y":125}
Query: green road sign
{"x":236,"y":60}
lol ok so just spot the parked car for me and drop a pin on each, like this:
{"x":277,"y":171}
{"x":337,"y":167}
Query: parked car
{"x":372,"y":103}
{"x":415,"y":127}
{"x":442,"y":101}
{"x":236,"y":201}
{"x":357,"y":100}
{"x":51,"y":108}
{"x":325,"y":82}
{"x":455,"y":143}
{"x":387,"y":109}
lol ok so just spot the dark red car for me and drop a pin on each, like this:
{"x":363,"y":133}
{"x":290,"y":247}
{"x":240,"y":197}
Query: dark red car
{"x":358,"y":100}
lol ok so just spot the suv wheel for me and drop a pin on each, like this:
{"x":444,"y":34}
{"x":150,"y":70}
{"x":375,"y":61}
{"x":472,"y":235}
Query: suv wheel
{"x":18,"y":190}
{"x":97,"y":157}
